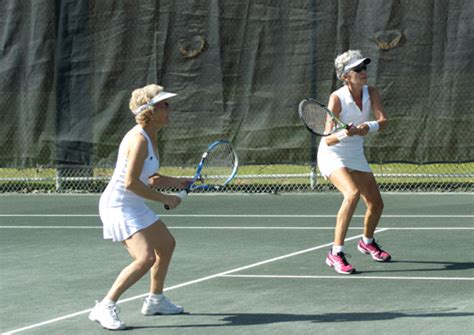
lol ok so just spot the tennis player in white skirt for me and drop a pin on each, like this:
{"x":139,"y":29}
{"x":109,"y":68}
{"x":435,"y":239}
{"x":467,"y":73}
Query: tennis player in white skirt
{"x":341,"y":157}
{"x":125,"y":216}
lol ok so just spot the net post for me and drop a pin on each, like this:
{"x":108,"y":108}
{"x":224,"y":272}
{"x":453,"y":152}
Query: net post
{"x":58,"y":181}
{"x":313,"y":177}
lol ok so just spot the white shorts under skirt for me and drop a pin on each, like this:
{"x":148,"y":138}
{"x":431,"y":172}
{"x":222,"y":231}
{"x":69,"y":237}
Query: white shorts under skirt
{"x":122,"y":222}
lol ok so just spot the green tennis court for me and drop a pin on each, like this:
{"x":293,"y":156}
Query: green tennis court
{"x":245,"y":264}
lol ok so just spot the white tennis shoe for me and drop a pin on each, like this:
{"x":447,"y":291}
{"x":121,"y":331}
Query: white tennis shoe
{"x":107,"y":316}
{"x":161,"y":306}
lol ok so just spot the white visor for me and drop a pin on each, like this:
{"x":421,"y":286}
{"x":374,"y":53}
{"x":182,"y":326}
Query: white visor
{"x":355,"y":63}
{"x":156,"y":99}
{"x":160,"y":97}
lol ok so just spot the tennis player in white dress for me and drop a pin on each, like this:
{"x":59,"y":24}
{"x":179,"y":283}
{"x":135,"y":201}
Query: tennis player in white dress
{"x":125,"y":216}
{"x":341,"y":157}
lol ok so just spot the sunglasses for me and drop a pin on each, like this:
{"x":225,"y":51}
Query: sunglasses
{"x":360,"y":68}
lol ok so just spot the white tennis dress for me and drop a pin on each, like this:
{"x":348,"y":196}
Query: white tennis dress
{"x":122,"y":212}
{"x":350,"y":152}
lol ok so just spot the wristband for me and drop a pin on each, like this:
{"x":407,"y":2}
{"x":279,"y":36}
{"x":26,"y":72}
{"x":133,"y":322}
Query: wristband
{"x":341,"y":135}
{"x":373,"y":126}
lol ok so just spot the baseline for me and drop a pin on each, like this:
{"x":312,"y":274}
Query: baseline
{"x":348,"y":277}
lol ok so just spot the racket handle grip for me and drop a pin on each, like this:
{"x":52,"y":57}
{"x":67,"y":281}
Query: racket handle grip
{"x":183,"y":194}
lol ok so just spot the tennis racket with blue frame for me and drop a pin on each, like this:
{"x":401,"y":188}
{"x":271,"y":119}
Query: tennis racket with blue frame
{"x":217,"y":168}
{"x":316,"y":116}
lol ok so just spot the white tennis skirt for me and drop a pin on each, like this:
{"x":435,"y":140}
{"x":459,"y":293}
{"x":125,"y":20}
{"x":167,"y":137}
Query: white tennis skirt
{"x":122,"y":222}
{"x":335,"y":157}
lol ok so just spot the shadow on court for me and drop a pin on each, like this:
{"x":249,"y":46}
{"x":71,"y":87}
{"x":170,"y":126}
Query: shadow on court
{"x":443,"y":266}
{"x":255,"y":319}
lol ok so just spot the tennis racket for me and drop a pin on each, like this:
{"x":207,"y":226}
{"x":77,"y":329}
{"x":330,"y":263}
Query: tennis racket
{"x":316,"y":116}
{"x":217,"y":167}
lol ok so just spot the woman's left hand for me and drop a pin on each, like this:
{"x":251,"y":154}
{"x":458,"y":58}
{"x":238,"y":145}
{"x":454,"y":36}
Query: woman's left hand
{"x":362,"y":129}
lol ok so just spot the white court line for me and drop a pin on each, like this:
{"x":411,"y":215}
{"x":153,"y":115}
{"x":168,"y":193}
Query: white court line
{"x":312,"y":228}
{"x":240,"y":228}
{"x":253,"y":215}
{"x":240,"y":194}
{"x":36,"y":325}
{"x":50,"y":227}
{"x":349,"y":277}
{"x":48,"y":215}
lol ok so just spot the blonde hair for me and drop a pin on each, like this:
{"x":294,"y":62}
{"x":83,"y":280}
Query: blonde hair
{"x":344,"y":59}
{"x":140,"y":97}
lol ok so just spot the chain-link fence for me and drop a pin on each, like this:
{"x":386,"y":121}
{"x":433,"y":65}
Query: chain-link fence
{"x":240,"y":70}
{"x":252,"y":179}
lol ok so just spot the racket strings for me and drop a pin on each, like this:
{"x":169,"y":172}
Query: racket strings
{"x":316,"y":117}
{"x":218,"y":165}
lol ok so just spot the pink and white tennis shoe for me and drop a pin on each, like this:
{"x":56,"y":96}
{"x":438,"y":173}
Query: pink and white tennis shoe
{"x":374,"y":250}
{"x":340,"y":263}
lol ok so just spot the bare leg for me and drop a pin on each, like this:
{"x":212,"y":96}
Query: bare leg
{"x":163,"y":251}
{"x":343,"y":181}
{"x":141,"y":246}
{"x":372,"y":198}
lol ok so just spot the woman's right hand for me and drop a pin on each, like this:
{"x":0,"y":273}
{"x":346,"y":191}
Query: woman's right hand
{"x":171,"y":201}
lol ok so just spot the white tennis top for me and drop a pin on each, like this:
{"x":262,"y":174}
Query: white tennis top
{"x":123,"y":212}
{"x":350,"y":152}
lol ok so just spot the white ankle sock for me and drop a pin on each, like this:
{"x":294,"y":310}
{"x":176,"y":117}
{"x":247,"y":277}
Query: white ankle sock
{"x":367,"y":240}
{"x":107,"y":302}
{"x":337,"y":249}
{"x":155,"y":296}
